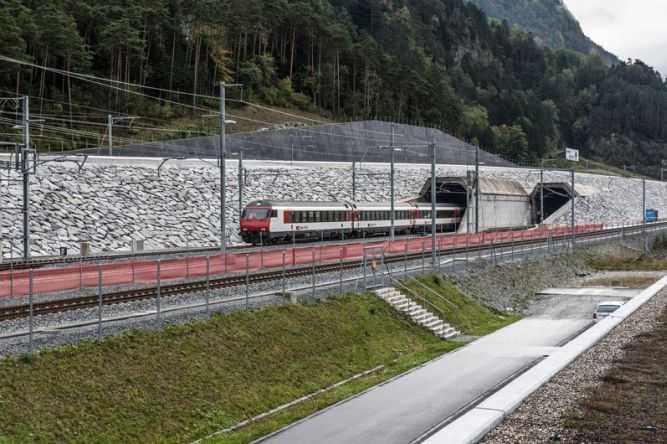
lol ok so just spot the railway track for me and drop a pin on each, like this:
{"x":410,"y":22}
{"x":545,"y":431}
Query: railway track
{"x":60,"y":260}
{"x":120,"y":297}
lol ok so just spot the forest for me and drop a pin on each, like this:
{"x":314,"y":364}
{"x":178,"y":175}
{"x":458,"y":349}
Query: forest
{"x":440,"y":63}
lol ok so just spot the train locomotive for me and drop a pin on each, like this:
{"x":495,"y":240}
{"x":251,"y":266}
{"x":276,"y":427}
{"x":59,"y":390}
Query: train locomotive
{"x":272,"y":221}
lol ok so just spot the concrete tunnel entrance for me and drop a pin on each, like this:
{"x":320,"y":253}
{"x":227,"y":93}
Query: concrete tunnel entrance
{"x":503,"y":204}
{"x":557,"y":196}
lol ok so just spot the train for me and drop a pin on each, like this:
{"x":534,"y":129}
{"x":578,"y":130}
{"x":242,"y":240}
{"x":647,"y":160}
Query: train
{"x":271,"y":221}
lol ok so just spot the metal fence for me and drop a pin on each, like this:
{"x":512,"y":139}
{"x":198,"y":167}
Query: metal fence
{"x":164,"y":292}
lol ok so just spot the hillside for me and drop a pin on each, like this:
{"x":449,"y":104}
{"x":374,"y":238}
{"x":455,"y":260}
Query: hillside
{"x":440,"y":63}
{"x":550,"y":21}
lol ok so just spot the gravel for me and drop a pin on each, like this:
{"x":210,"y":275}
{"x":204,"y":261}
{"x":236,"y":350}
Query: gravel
{"x":539,"y":419}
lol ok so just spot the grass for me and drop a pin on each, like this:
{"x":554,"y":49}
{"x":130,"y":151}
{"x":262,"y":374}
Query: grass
{"x":464,"y":314}
{"x":624,"y":263}
{"x":188,"y":381}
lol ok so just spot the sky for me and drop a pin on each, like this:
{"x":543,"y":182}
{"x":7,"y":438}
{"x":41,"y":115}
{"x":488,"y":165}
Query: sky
{"x":630,"y":29}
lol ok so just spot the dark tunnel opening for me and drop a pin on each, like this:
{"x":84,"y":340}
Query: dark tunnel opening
{"x":447,"y":193}
{"x":556,"y":196}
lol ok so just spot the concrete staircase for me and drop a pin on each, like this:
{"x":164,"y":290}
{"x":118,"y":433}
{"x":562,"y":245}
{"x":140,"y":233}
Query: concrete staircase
{"x":417,"y":313}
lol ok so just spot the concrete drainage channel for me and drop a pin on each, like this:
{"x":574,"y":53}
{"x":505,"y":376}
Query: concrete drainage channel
{"x":472,"y":426}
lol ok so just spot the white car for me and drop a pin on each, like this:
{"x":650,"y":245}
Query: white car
{"x":606,"y":308}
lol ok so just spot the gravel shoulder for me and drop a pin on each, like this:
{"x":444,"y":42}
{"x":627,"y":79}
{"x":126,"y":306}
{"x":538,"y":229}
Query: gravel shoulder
{"x":541,"y":416}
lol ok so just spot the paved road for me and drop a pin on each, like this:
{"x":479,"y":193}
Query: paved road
{"x":401,"y":411}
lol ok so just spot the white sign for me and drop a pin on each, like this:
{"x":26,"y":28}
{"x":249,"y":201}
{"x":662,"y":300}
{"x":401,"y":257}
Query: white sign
{"x":572,"y":154}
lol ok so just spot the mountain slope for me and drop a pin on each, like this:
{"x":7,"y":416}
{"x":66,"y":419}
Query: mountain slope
{"x":550,"y":21}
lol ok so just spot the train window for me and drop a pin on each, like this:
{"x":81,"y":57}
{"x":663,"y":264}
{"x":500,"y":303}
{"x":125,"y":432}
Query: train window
{"x":274,"y":213}
{"x":257,"y":213}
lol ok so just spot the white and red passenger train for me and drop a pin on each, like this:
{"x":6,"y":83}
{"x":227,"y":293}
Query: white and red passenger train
{"x":270,"y":221}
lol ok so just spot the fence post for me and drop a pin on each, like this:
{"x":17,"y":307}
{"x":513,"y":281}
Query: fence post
{"x":247,"y":281}
{"x":208,"y":285}
{"x":99,"y":302}
{"x":313,"y":274}
{"x":261,"y":251}
{"x":284,"y":284}
{"x":31,"y":313}
{"x":423,"y":257}
{"x":340,"y":276}
{"x":405,"y":259}
{"x":159,"y":290}
{"x":365,"y":264}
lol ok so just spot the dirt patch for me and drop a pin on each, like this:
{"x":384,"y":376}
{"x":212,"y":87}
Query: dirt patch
{"x":631,"y":403}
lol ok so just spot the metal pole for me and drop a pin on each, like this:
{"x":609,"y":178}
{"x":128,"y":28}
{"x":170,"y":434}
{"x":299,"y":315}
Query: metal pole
{"x":110,"y":133}
{"x":159,"y":284}
{"x":644,"y":215}
{"x":208,"y":284}
{"x":261,"y":250}
{"x":11,"y":279}
{"x":405,"y":259}
{"x":423,"y":256}
{"x":354,"y":181}
{"x":434,"y":256}
{"x":241,"y":180}
{"x":247,"y":280}
{"x":541,"y":197}
{"x":26,"y":178}
{"x":313,"y":274}
{"x":284,"y":284}
{"x":476,"y":188}
{"x":31,"y":313}
{"x":223,"y":172}
{"x":365,"y":264}
{"x":392,"y":230}
{"x":340,"y":275}
{"x":99,"y":302}
{"x":574,"y":233}
{"x":292,"y":161}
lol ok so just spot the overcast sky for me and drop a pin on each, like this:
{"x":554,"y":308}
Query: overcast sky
{"x":630,"y":29}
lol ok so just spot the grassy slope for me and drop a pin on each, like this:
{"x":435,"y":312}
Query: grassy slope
{"x":467,"y":316}
{"x":188,"y":381}
{"x":637,"y":262}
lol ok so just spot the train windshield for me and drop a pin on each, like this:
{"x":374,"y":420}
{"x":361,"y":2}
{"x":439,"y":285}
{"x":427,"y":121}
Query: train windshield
{"x":256,"y":213}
